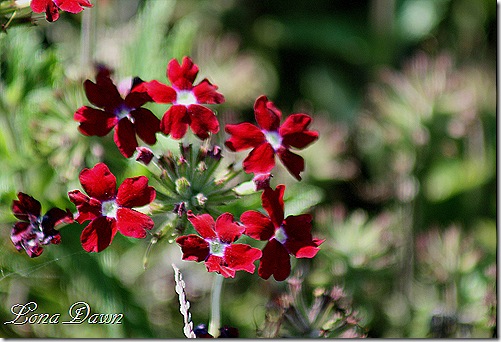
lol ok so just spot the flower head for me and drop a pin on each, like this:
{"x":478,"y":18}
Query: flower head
{"x":34,"y":230}
{"x":271,"y":138}
{"x":215,"y":245}
{"x":124,"y":114}
{"x":187,"y":100}
{"x":291,"y":235}
{"x":110,"y":210}
{"x":52,"y":7}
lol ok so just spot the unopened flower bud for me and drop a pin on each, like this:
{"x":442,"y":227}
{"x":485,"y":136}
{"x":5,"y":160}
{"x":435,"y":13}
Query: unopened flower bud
{"x":144,"y":155}
{"x":182,"y":186}
{"x":201,"y":199}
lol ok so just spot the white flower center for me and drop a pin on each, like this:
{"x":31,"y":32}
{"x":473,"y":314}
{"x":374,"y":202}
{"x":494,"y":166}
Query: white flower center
{"x":280,"y":235}
{"x":186,"y":98}
{"x":109,"y":208}
{"x":274,"y":139}
{"x":217,"y":247}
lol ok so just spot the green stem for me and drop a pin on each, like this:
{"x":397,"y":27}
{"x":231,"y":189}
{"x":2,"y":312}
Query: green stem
{"x":215,"y":320}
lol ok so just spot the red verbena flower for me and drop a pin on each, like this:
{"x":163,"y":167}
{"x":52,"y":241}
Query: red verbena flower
{"x":34,"y":230}
{"x":52,"y":7}
{"x":291,"y":235}
{"x":187,"y":100}
{"x":215,"y":245}
{"x":125,"y":114}
{"x":271,"y":138}
{"x":110,"y":210}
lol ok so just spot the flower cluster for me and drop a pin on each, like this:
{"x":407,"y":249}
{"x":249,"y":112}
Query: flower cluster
{"x":51,"y":7}
{"x":186,"y":183}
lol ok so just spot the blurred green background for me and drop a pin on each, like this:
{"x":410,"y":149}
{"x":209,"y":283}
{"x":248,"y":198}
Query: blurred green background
{"x":402,"y":182}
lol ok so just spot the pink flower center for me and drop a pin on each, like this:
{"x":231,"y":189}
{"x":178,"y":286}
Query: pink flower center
{"x":216,"y":247}
{"x":274,"y":139}
{"x":109,"y":208}
{"x":280,"y":235}
{"x":185,"y":98}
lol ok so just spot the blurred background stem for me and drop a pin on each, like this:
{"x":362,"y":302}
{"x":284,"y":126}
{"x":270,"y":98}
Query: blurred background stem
{"x":215,"y":316}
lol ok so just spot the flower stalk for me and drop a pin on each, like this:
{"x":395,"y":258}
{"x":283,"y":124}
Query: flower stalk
{"x":215,"y":319}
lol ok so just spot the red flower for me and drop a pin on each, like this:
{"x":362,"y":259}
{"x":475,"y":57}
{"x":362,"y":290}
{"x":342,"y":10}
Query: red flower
{"x":271,"y":138}
{"x":186,"y":99}
{"x":52,"y":7}
{"x":291,"y":235}
{"x":126,"y":115}
{"x":35,"y":230}
{"x":109,"y":210}
{"x":215,"y":246}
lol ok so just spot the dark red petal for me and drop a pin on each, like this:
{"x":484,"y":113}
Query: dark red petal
{"x":19,"y":233}
{"x":125,"y":137}
{"x":194,"y":248}
{"x":293,"y":162}
{"x":294,"y":131}
{"x":99,"y":182}
{"x":182,"y":76}
{"x":227,"y":230}
{"x":135,"y":192}
{"x":72,"y":6}
{"x":217,"y":264}
{"x":103,"y":94}
{"x":25,"y":207}
{"x":51,"y":15}
{"x":275,"y":261}
{"x":300,"y":140}
{"x":273,"y":203}
{"x":94,"y":121}
{"x":260,"y":160}
{"x":206,"y":92}
{"x":267,"y":115}
{"x":159,"y":92}
{"x":262,"y":181}
{"x":241,"y":257}
{"x":204,"y":224}
{"x":39,"y":6}
{"x":175,"y":121}
{"x":88,"y":208}
{"x":132,"y":223}
{"x":299,"y":240}
{"x":98,"y":234}
{"x":53,"y":217}
{"x":244,"y":136}
{"x":203,"y":121}
{"x":257,"y":225}
{"x":137,"y":96}
{"x":146,"y":124}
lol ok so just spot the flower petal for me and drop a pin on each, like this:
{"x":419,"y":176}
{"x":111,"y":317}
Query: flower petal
{"x":98,"y":234}
{"x":88,"y":208}
{"x":227,"y":230}
{"x":206,"y":92}
{"x":273,"y":203}
{"x":294,"y":131}
{"x":204,"y":224}
{"x":260,"y":160}
{"x":53,"y":217}
{"x":194,"y":248}
{"x":275,"y":261}
{"x":146,"y":124}
{"x":103,"y":94}
{"x":257,"y":225}
{"x":175,"y":121}
{"x":132,"y":223}
{"x":267,"y":115}
{"x":292,"y":162}
{"x":125,"y":137}
{"x":72,"y":6}
{"x":39,"y":6}
{"x":99,"y":182}
{"x":25,"y":207}
{"x":138,"y":94}
{"x":241,"y":257}
{"x":159,"y":92}
{"x":135,"y":192}
{"x":217,"y":264}
{"x":299,"y":239}
{"x":244,"y":136}
{"x":94,"y":121}
{"x":203,"y":120}
{"x":182,"y":76}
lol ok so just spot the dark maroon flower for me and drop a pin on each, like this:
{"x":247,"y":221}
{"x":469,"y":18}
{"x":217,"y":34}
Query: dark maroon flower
{"x":110,"y":210}
{"x":52,"y":7}
{"x":291,"y":235}
{"x":215,"y":246}
{"x":144,"y":155}
{"x":271,"y":138}
{"x":126,"y":115}
{"x":34,"y":230}
{"x":187,"y":100}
